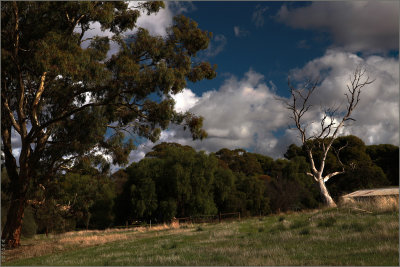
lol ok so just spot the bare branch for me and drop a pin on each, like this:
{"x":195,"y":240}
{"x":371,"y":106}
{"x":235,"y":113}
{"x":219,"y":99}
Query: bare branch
{"x":329,"y":176}
{"x":329,"y":126}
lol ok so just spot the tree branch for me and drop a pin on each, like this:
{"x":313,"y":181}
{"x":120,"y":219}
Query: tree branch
{"x":7,"y":110}
{"x":329,"y":176}
{"x":10,"y":161}
{"x":37,"y":100}
{"x":67,"y":114}
{"x":312,"y":175}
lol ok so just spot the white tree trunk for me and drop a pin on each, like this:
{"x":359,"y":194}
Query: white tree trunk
{"x":325,"y":194}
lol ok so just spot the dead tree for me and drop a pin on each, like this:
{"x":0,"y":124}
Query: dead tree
{"x":330,"y":124}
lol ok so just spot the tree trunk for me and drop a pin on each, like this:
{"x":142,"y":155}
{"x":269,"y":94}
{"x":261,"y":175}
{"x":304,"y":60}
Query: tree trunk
{"x":325,"y":194}
{"x":12,"y":229}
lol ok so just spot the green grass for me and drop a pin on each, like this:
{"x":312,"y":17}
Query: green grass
{"x":327,"y":237}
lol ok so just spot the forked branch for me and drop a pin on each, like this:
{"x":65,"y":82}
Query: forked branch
{"x":330,"y":125}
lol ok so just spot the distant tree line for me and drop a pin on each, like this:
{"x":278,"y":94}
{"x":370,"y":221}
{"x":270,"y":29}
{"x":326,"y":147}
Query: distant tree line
{"x":177,"y":181}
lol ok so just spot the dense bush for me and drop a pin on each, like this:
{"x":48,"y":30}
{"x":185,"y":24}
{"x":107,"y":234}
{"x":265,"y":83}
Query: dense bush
{"x":176,"y":181}
{"x":29,"y":225}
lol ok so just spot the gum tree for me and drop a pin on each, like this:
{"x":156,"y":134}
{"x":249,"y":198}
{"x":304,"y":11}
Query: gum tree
{"x":61,"y":102}
{"x":318,"y":143}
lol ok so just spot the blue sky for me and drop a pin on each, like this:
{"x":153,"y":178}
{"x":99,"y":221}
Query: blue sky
{"x":256,"y":45}
{"x":260,"y":43}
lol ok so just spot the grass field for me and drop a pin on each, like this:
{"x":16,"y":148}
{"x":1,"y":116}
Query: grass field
{"x":325,"y":237}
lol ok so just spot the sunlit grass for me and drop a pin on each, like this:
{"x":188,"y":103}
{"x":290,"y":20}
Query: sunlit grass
{"x":326,"y":237}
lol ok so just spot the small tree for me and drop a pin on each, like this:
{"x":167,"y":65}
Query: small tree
{"x":318,"y":144}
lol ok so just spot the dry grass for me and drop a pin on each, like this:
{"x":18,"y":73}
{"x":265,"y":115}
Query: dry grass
{"x":340,"y":236}
{"x":41,"y":245}
{"x":376,"y":204}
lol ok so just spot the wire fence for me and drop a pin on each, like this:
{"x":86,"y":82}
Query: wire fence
{"x":210,"y":218}
{"x":217,"y":218}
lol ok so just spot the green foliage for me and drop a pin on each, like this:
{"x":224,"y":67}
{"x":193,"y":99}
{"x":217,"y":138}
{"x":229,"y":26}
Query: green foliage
{"x":360,"y":170}
{"x":289,"y":188}
{"x":29,"y":225}
{"x":172,"y":180}
{"x":387,"y":158}
{"x":62,"y":98}
{"x":101,"y":211}
{"x":256,"y":200}
{"x":50,"y":218}
{"x":188,"y":183}
{"x":239,"y":160}
{"x":176,"y":181}
{"x":224,"y":187}
{"x":167,"y":209}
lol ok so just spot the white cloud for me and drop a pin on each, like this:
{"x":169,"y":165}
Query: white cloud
{"x":158,"y":23}
{"x":244,"y":113}
{"x":240,"y":32}
{"x":377,"y":114}
{"x":185,"y":100}
{"x":258,"y":15}
{"x":366,"y":26}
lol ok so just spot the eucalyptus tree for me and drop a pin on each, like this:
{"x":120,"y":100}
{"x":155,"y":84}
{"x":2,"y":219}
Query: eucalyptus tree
{"x":318,"y":143}
{"x":62,"y":101}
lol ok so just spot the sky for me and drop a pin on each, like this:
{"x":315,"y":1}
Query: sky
{"x":257,"y":45}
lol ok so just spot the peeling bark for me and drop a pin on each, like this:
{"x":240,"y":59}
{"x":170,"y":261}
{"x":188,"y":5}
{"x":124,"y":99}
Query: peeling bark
{"x":12,"y":229}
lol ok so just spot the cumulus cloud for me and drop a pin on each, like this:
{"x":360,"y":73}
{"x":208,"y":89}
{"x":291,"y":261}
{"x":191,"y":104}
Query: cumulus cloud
{"x":240,"y":32}
{"x":185,"y":100}
{"x":369,"y":27}
{"x":377,"y":114}
{"x":258,"y":15}
{"x":245,"y":112}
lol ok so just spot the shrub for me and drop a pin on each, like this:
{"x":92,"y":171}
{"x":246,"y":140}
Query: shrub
{"x":29,"y":225}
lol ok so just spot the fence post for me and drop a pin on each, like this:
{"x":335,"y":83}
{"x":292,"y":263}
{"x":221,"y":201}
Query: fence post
{"x":219,"y":217}
{"x":239,"y":215}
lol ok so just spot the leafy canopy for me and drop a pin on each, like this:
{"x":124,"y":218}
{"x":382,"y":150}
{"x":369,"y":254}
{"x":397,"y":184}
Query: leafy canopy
{"x":67,"y":101}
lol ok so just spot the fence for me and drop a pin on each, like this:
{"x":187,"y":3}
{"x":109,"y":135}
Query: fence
{"x":132,"y":223}
{"x":210,"y":218}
